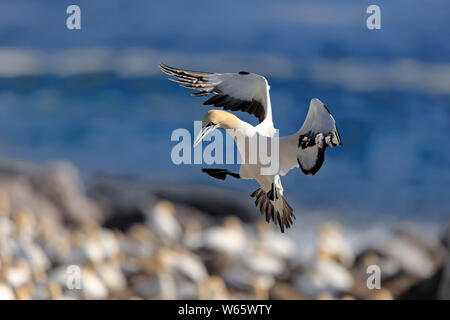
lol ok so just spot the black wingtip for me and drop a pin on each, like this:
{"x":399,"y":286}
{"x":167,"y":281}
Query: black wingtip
{"x":163,"y":66}
{"x":326,"y":108}
{"x":339,"y":137}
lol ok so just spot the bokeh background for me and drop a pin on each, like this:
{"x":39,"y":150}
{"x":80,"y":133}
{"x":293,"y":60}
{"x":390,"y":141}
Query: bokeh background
{"x":95,"y":98}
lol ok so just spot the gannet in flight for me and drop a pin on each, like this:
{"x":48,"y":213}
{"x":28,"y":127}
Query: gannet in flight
{"x":249,"y":92}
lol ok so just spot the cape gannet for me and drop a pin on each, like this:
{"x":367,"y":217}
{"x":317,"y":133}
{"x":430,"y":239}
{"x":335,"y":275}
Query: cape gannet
{"x":249,"y":92}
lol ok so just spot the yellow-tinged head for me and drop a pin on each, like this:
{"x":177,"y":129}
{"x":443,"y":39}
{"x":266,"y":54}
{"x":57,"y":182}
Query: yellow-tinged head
{"x":222,"y":119}
{"x":217,"y":119}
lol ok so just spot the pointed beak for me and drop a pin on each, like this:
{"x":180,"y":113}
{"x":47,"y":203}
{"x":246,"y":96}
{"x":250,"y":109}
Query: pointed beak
{"x":204,"y":132}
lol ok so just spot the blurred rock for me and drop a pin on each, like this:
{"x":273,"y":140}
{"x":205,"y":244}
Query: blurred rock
{"x":218,"y":202}
{"x":55,"y":189}
{"x":213,"y":288}
{"x":123,"y":201}
{"x":415,"y":255}
{"x":127,"y":201}
{"x":381,"y":294}
{"x":285,"y":291}
{"x":444,"y":281}
{"x":438,"y":285}
{"x":427,"y":289}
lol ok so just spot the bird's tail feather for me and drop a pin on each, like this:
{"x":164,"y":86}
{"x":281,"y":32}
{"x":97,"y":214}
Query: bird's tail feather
{"x":279,"y":211}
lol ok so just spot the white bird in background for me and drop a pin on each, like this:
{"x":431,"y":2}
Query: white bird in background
{"x":161,"y":218}
{"x":249,"y":92}
{"x":230,"y":239}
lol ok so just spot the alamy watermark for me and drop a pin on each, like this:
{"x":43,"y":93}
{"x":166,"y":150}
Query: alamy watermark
{"x":73,"y":277}
{"x":374,"y":279}
{"x":73,"y":21}
{"x":373,"y":22}
{"x":254,"y":150}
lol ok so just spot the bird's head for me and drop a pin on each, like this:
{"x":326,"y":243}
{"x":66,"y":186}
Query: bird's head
{"x":216,"y":119}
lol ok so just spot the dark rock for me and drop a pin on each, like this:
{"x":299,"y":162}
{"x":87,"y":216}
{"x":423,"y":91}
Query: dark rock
{"x":126,"y":201}
{"x":424,"y":290}
{"x":217,"y":202}
{"x":122,"y":200}
{"x":444,"y":282}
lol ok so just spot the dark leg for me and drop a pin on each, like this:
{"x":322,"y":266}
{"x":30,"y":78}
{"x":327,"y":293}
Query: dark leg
{"x":220,"y":173}
{"x":273,"y":193}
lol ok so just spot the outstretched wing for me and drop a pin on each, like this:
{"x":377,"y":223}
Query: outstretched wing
{"x":243,"y":91}
{"x":317,"y":133}
{"x":306,"y":148}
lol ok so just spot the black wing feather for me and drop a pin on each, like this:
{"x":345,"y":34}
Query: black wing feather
{"x":194,"y":80}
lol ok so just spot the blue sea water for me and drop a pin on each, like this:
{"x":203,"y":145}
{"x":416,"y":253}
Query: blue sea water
{"x":95,"y":97}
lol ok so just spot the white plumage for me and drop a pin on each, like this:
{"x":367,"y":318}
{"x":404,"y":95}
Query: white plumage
{"x":249,"y":92}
